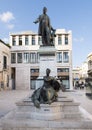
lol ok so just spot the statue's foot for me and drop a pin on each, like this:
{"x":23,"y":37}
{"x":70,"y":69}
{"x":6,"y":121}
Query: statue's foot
{"x":37,"y":104}
{"x":49,"y":102}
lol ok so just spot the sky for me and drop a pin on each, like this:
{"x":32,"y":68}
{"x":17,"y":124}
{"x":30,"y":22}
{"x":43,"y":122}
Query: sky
{"x":74,"y":15}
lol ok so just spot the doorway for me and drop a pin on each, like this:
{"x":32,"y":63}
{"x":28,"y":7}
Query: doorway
{"x":13,"y":78}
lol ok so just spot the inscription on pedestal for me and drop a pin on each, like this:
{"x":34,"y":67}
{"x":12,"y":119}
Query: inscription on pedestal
{"x":46,"y":109}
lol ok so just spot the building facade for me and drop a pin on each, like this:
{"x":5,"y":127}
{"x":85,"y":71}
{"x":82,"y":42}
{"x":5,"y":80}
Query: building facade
{"x":25,"y":58}
{"x":75,"y":75}
{"x":79,"y":74}
{"x":89,"y":60}
{"x":83,"y":71}
{"x":4,"y":65}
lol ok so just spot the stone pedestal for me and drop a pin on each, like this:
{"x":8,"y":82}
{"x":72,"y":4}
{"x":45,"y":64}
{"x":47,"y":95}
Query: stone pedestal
{"x":47,"y":60}
{"x":62,"y":115}
{"x":46,"y":112}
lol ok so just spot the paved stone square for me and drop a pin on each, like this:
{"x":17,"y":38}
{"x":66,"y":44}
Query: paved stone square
{"x":8,"y":99}
{"x":80,"y":96}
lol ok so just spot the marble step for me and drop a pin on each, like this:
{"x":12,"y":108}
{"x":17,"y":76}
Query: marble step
{"x":16,"y":124}
{"x":65,"y":106}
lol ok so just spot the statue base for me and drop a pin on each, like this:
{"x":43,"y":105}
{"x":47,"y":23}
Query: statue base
{"x":47,"y":60}
{"x":64,"y":114}
{"x":45,"y":112}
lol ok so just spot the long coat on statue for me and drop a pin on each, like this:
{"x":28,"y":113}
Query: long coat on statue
{"x":44,"y":24}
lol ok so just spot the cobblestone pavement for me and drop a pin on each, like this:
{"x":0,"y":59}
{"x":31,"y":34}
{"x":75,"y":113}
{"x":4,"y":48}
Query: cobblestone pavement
{"x":9,"y":98}
{"x":80,"y":96}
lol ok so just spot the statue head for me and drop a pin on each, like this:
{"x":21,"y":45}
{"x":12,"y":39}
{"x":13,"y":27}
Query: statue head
{"x":48,"y":71}
{"x":44,"y":10}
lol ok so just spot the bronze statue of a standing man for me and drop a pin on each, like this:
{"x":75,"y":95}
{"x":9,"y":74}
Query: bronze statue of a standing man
{"x":44,"y":28}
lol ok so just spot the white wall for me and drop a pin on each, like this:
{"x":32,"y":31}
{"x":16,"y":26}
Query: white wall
{"x":23,"y":78}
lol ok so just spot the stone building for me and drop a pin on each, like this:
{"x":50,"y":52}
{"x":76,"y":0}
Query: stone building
{"x":4,"y":65}
{"x":76,"y":75}
{"x":89,"y":59}
{"x":79,"y":74}
{"x":83,"y":71}
{"x":25,"y":58}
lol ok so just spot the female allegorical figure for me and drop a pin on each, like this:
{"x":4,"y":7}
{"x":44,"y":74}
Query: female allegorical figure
{"x":48,"y":92}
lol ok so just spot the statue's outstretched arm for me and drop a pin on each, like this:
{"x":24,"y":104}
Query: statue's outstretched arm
{"x":37,"y":20}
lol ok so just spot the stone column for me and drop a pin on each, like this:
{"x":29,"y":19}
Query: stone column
{"x":36,"y":40}
{"x":30,"y":40}
{"x":17,"y":40}
{"x":23,"y":40}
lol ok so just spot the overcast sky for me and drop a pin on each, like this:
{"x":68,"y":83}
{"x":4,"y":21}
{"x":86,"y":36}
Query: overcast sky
{"x":74,"y":15}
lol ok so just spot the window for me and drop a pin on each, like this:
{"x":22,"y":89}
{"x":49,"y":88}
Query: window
{"x":37,"y":59}
{"x":4,"y":62}
{"x":20,"y":40}
{"x":34,"y":70}
{"x":65,"y":57}
{"x":32,"y":57}
{"x":13,"y":57}
{"x":59,"y":57}
{"x":19,"y":57}
{"x":13,"y":40}
{"x":39,"y":40}
{"x":66,"y":39}
{"x":33,"y":40}
{"x":59,"y":39}
{"x":62,"y":69}
{"x":26,"y":40}
{"x":90,"y":62}
{"x":66,"y":82}
{"x":7,"y":80}
{"x":26,"y":57}
{"x":66,"y":69}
